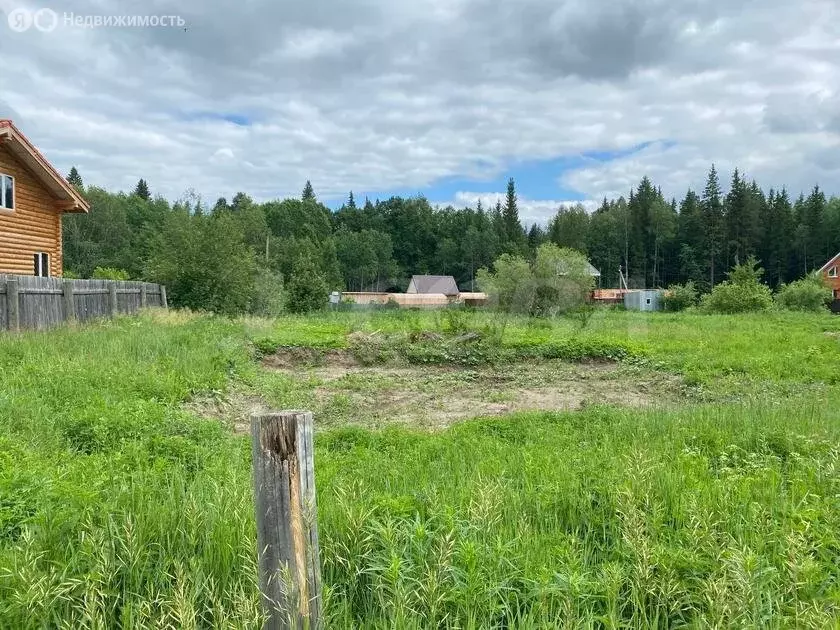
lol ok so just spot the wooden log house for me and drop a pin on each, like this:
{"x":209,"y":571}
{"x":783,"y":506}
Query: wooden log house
{"x":33,"y":196}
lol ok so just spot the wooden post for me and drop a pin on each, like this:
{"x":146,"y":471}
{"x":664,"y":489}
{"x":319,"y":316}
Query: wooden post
{"x":12,"y":305}
{"x":113,"y":304}
{"x":69,"y":303}
{"x":287,"y":525}
{"x":163,"y":297}
{"x":143,"y":296}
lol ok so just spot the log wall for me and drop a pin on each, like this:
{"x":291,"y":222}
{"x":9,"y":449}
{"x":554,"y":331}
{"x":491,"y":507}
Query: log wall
{"x":33,"y":226}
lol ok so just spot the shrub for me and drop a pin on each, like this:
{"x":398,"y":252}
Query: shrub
{"x":307,"y":289}
{"x":455,"y":320}
{"x":743,"y":292}
{"x":267,"y":298}
{"x":733,"y":298}
{"x":110,"y":273}
{"x":807,"y":294}
{"x":204,"y":262}
{"x":558,"y":281}
{"x":680,"y":297}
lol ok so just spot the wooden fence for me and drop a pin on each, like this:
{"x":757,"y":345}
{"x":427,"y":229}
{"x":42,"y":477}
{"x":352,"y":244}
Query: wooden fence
{"x":38,"y":303}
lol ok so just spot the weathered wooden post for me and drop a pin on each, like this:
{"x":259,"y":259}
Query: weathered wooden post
{"x":143,"y":297}
{"x":113,"y":304}
{"x":12,"y":304}
{"x":163,"y":297}
{"x":69,"y":304}
{"x":287,"y":525}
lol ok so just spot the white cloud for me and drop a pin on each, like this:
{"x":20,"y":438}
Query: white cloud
{"x":385,"y":94}
{"x":531,"y":211}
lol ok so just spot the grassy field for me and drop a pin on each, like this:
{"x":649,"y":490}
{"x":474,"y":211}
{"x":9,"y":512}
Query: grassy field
{"x":691,"y":480}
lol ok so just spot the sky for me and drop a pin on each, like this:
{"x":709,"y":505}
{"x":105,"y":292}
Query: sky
{"x":576,"y":99}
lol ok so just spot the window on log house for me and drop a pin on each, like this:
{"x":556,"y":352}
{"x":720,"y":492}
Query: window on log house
{"x":42,"y":264}
{"x":7,"y":192}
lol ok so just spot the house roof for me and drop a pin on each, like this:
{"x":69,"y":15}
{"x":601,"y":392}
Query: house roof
{"x":435,"y":284}
{"x":831,"y":260}
{"x":562,"y":269}
{"x":69,"y":198}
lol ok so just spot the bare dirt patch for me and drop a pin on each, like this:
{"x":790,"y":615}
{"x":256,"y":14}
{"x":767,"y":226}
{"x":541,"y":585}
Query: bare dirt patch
{"x":233,"y":410}
{"x":287,"y":358}
{"x":436,"y":396}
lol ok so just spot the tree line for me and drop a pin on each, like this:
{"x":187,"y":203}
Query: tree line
{"x":240,"y":255}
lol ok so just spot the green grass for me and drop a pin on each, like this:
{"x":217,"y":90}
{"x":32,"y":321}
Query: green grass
{"x":119,"y":508}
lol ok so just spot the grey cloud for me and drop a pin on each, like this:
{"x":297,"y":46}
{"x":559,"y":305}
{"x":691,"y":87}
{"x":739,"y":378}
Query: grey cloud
{"x":379,"y":94}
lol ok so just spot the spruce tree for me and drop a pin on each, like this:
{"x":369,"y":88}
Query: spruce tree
{"x":690,"y":239}
{"x":74,"y":179}
{"x":742,"y":210}
{"x":142,"y":190}
{"x":814,"y":229}
{"x":713,"y":226}
{"x":513,"y":233}
{"x":308,"y":192}
{"x":775,"y":248}
{"x":641,"y":246}
{"x":351,"y":202}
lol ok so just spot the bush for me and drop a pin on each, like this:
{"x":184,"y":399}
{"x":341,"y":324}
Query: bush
{"x":680,"y":297}
{"x":307,"y":289}
{"x":733,"y":298}
{"x":807,"y":294}
{"x":267,"y":299}
{"x":557,"y":282}
{"x":743,"y":292}
{"x":110,"y":273}
{"x":204,"y":262}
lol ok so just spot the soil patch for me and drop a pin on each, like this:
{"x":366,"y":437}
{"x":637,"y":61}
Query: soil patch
{"x":437,"y":396}
{"x":233,"y":410}
{"x":287,"y":358}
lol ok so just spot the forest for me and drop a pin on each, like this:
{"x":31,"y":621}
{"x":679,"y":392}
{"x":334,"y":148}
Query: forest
{"x":246,"y":256}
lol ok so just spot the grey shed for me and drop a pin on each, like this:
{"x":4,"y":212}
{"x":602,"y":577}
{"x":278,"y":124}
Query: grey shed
{"x":643,"y":300}
{"x":433,"y":284}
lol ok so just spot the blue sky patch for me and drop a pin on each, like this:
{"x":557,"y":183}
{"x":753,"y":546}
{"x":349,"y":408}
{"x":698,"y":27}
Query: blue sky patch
{"x":239,"y":119}
{"x":535,"y":179}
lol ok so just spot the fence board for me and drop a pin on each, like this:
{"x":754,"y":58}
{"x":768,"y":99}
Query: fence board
{"x":45,"y":302}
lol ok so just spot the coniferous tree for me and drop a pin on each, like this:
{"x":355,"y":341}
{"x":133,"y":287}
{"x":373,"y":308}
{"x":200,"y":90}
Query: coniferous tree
{"x":775,"y":250}
{"x":536,"y":236}
{"x":142,"y":190}
{"x":742,"y":211}
{"x":221,"y":205}
{"x":351,"y":202}
{"x":713,"y":227}
{"x":814,"y":230}
{"x":662,"y":227}
{"x":690,"y":239}
{"x":308,"y":192}
{"x":74,"y":179}
{"x":642,"y":246}
{"x":570,"y":228}
{"x":513,"y":234}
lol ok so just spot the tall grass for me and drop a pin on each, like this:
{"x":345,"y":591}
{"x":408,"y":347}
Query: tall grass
{"x":118,"y":509}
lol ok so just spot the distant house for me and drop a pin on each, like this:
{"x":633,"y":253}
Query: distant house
{"x":384,"y":285}
{"x":445,"y":285}
{"x":33,"y":196}
{"x":830,"y":273}
{"x":562,"y":270}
